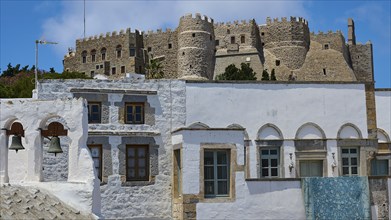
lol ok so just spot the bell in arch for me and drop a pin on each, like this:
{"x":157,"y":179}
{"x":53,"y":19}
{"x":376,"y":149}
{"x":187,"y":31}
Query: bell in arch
{"x":55,"y":146}
{"x":16,"y":143}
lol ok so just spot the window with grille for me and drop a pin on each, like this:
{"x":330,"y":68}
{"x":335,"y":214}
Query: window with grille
{"x":270,"y":162}
{"x":350,"y":157}
{"x":134,"y":113}
{"x":137,"y":163}
{"x":94,"y":112}
{"x":96,"y":153}
{"x":216,"y":173}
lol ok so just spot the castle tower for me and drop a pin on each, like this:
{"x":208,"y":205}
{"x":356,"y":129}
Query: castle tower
{"x":351,"y":34}
{"x":196,"y":44}
{"x":287,"y":40}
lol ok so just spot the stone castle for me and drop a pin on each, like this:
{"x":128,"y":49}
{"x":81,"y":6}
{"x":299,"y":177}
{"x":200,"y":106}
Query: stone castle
{"x":199,"y":48}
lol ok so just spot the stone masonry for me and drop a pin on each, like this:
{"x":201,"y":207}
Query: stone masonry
{"x":199,"y":48}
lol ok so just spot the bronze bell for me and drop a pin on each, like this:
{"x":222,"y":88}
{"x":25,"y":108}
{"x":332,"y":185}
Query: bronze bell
{"x":55,"y":146}
{"x":16,"y":143}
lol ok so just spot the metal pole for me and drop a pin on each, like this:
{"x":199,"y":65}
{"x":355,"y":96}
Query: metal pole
{"x":36,"y":64}
{"x":84,"y":18}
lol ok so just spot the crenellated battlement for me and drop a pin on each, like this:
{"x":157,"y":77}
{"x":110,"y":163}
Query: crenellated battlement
{"x":197,"y":16}
{"x":157,"y":31}
{"x":235,"y":23}
{"x":292,"y":19}
{"x":101,"y":36}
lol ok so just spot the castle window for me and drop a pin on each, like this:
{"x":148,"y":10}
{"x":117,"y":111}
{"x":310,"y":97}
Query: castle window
{"x":94,"y":112}
{"x":134,"y":113}
{"x":137,"y":163}
{"x":242,"y":39}
{"x":122,"y":69}
{"x":263,"y":33}
{"x":169,"y":46}
{"x":216,"y":173}
{"x":324,"y":71}
{"x":210,"y":37}
{"x":263,"y":44}
{"x":119,"y":51}
{"x":278,"y":62}
{"x":326,"y":46}
{"x":149,"y":49}
{"x":193,"y":35}
{"x":96,"y":153}
{"x":132,"y":52}
{"x":350,"y":161}
{"x":217,"y":42}
{"x":97,"y":67}
{"x":93,"y":54}
{"x":228,"y":31}
{"x":101,"y":66}
{"x":113,"y":71}
{"x":183,"y":53}
{"x":84,"y":56}
{"x":191,"y":67}
{"x":232,"y":40}
{"x":67,"y":69}
{"x":103,"y":53}
{"x":92,"y":73}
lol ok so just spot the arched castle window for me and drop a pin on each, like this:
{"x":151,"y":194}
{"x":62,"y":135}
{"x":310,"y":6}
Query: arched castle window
{"x":103,"y":53}
{"x":93,"y":55}
{"x":84,"y":56}
{"x":119,"y":51}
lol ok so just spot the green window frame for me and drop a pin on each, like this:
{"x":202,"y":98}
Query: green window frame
{"x":94,"y":112}
{"x":350,"y":161}
{"x":216,"y":173}
{"x":137,"y":163}
{"x":270,"y":162}
{"x":134,"y":113}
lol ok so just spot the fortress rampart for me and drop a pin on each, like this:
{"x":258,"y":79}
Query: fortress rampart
{"x":201,"y":48}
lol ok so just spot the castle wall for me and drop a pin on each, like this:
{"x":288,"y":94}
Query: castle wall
{"x":164,"y":47}
{"x":325,"y":65}
{"x":289,"y":41}
{"x":362,"y":61}
{"x":196,"y":43}
{"x":238,"y":43}
{"x":110,"y":41}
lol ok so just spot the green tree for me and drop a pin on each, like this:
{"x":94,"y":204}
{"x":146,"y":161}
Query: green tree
{"x":273,"y":76}
{"x":265,"y":75}
{"x":233,"y":73}
{"x":155,"y":70}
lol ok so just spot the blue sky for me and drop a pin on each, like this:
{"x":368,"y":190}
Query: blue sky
{"x":23,"y":22}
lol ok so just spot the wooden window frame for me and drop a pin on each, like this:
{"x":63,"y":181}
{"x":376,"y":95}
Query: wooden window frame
{"x":90,"y":121}
{"x":133,"y":120}
{"x":349,"y":156}
{"x":136,"y":158}
{"x":215,"y":177}
{"x":99,"y":146}
{"x":269,"y":157}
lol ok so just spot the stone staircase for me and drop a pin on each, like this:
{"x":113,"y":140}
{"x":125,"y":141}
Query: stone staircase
{"x":18,"y":202}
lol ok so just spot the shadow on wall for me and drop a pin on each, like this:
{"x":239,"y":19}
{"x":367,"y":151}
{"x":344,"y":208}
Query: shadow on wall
{"x":264,"y":186}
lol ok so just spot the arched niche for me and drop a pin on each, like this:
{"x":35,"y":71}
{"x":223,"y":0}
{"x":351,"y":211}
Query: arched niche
{"x":55,"y":167}
{"x":198,"y":125}
{"x":269,"y":132}
{"x":310,"y":131}
{"x":246,"y":138}
{"x":382,"y":136}
{"x":349,"y":131}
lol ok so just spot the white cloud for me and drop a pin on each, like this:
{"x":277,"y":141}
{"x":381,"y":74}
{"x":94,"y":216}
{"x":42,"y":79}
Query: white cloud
{"x":108,"y":16}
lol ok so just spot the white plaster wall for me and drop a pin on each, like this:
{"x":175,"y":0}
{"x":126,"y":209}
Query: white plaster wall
{"x":287,"y":106}
{"x":25,"y":167}
{"x":383,"y":110}
{"x":258,"y":200}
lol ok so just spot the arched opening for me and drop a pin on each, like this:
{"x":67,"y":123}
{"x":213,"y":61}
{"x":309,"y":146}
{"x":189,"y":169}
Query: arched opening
{"x":84,"y":56}
{"x":103,"y":53}
{"x":93,"y":55}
